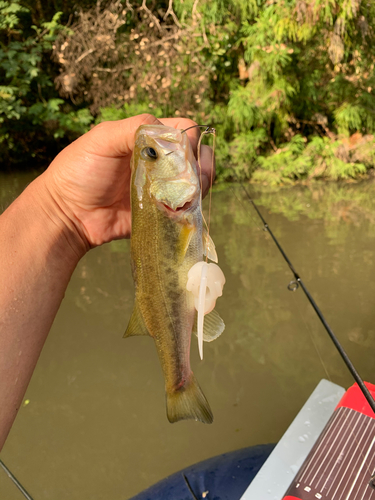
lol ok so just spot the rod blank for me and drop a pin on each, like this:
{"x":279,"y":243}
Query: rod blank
{"x":329,"y":330}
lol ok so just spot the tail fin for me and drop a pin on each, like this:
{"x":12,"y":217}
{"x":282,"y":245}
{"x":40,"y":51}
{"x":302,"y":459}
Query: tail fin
{"x":188,"y":402}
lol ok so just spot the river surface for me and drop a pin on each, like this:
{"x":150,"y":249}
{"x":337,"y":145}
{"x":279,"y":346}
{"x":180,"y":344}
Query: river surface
{"x":93,"y":422}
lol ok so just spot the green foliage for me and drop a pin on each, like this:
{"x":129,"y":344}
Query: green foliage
{"x":32,"y":114}
{"x":306,"y":74}
{"x":126,"y":111}
{"x":243,"y":152}
{"x":320,"y":159}
{"x":289,"y":86}
{"x":9,"y":14}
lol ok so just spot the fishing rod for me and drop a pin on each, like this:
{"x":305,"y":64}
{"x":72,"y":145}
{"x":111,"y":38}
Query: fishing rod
{"x":293,"y":285}
{"x":15,"y":481}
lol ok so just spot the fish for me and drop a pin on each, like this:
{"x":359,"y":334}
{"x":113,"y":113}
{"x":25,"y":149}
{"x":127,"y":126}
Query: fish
{"x":166,"y":241}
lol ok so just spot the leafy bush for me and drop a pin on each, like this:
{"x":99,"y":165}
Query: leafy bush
{"x":289,"y":86}
{"x":32,"y":115}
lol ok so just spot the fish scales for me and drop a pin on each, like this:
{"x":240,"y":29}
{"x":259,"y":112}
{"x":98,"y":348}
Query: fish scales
{"x":163,"y":301}
{"x":166,"y":242}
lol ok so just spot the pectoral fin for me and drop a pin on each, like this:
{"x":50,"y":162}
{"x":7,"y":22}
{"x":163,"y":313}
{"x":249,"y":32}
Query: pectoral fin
{"x":209,"y":246}
{"x":213,"y":326}
{"x":187,"y":232}
{"x":136,"y":324}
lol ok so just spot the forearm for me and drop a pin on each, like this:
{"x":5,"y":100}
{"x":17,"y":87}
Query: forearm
{"x":39,"y":250}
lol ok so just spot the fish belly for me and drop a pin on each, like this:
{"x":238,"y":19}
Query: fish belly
{"x":167,"y":308}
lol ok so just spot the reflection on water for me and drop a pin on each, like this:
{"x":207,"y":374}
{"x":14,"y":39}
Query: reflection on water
{"x":95,"y":426}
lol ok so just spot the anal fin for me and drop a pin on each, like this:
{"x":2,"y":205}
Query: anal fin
{"x":136,"y":324}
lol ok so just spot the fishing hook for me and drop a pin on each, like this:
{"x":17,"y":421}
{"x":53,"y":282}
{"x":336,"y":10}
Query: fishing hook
{"x":208,"y":130}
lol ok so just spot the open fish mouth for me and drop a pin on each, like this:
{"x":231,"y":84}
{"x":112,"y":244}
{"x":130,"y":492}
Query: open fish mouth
{"x":184,"y":207}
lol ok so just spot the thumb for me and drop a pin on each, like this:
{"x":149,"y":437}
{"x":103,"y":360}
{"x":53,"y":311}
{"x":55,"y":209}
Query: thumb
{"x":115,"y":138}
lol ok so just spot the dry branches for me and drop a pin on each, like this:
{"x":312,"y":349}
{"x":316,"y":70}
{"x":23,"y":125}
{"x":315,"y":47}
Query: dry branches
{"x":153,"y":58}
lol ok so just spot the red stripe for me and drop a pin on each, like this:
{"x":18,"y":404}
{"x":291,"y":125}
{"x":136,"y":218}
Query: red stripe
{"x":291,"y":498}
{"x":354,"y":399}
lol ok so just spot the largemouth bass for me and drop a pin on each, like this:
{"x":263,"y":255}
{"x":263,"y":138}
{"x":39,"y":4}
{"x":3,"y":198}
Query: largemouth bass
{"x":166,"y":242}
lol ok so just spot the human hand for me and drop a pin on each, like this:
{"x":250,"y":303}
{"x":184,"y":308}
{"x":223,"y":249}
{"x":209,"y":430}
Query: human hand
{"x":90,"y":179}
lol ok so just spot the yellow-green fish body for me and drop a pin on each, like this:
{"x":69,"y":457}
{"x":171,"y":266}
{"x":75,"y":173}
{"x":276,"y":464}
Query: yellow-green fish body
{"x":166,"y":242}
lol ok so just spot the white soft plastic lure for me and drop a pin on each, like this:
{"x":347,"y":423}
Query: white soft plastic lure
{"x":205,"y":282}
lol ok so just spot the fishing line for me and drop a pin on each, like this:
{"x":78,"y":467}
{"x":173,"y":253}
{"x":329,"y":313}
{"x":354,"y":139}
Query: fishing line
{"x":293,"y":285}
{"x":200,"y":169}
{"x":208,"y":130}
{"x":254,"y":220}
{"x":211,"y":176}
{"x":15,"y":481}
{"x":313,"y":342}
{"x":260,"y":228}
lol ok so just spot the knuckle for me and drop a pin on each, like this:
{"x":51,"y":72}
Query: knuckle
{"x":147,"y":118}
{"x":100,"y":126}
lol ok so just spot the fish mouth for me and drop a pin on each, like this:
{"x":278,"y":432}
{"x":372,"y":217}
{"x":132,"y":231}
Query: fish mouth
{"x":183,"y":208}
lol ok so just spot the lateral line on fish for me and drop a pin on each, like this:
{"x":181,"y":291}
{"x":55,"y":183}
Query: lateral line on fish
{"x":158,"y":232}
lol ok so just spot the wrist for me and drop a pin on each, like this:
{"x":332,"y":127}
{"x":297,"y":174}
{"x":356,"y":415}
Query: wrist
{"x":54,"y":227}
{"x":39,"y":250}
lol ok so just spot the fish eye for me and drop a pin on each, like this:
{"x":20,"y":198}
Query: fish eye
{"x":150,"y":153}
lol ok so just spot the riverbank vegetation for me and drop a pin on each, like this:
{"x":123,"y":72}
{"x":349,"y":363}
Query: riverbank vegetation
{"x":289,"y":85}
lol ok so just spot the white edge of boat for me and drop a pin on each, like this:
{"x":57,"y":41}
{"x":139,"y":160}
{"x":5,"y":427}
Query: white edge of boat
{"x":280,"y":468}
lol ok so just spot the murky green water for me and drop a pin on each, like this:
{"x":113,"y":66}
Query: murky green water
{"x":95,"y":426}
